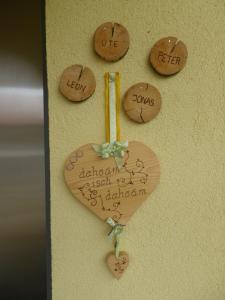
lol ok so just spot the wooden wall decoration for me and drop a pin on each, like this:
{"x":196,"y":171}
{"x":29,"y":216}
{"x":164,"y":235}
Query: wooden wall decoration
{"x":111,"y":41}
{"x":77,"y":83}
{"x":113,"y":179}
{"x":142,"y":102}
{"x":117,"y":265}
{"x":168,"y":56}
{"x":107,"y":191}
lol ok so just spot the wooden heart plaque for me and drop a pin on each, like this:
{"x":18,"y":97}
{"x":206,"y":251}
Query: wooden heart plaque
{"x":118,"y":265}
{"x":108,"y":191}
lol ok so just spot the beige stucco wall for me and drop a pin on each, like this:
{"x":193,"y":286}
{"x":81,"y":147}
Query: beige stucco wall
{"x":176,"y":239}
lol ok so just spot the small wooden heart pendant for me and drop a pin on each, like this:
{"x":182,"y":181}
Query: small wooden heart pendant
{"x":118,"y":265}
{"x":108,"y":191}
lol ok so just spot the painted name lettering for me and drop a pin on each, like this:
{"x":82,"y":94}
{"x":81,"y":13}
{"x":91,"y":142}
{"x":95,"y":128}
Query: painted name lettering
{"x":76,"y":85}
{"x":109,"y":43}
{"x":168,"y":59}
{"x":144,"y":100}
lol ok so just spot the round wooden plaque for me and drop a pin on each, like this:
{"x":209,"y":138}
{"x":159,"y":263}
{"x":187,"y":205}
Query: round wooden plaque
{"x":77,"y":83}
{"x":111,"y":41}
{"x":168,"y":56}
{"x":142,"y":102}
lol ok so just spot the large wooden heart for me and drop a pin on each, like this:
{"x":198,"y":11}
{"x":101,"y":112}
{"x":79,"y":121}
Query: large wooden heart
{"x":108,"y":191}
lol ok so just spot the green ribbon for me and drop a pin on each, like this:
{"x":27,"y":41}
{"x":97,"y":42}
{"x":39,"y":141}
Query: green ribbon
{"x":115,"y":233}
{"x":115,"y":149}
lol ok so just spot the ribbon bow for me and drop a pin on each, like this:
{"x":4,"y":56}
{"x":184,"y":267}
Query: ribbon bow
{"x":115,"y":149}
{"x":115,"y":232}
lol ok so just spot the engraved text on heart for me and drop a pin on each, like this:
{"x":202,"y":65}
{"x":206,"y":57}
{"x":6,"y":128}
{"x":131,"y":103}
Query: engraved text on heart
{"x":97,"y":191}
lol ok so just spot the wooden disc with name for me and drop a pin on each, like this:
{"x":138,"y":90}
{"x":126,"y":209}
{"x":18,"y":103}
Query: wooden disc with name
{"x":168,"y":56}
{"x":142,"y":102}
{"x":111,"y":41}
{"x":77,"y":83}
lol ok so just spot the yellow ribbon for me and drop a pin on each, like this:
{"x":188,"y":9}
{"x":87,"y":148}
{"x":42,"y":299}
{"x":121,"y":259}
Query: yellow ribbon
{"x":113,"y":146}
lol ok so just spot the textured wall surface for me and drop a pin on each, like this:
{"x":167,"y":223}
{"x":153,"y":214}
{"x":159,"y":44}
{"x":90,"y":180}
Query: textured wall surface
{"x":176,"y":239}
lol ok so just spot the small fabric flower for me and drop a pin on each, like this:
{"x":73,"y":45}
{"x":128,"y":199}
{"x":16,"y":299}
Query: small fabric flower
{"x":115,"y":149}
